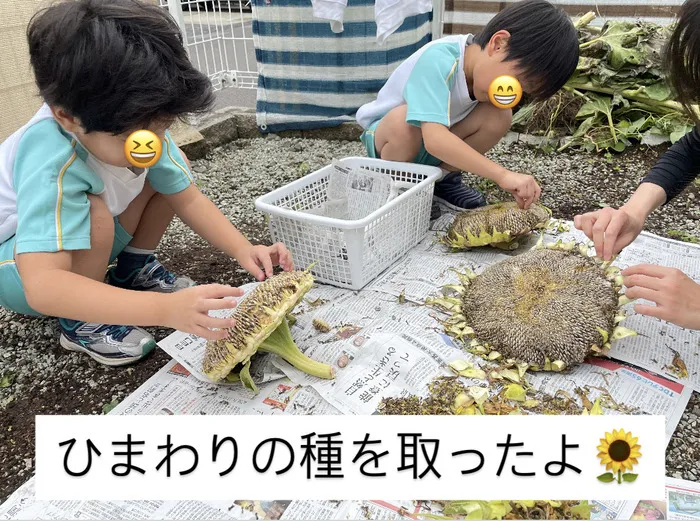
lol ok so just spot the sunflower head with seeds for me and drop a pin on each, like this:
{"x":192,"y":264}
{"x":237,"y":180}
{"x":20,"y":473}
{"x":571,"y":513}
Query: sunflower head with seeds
{"x":548,"y":308}
{"x":497,"y":225}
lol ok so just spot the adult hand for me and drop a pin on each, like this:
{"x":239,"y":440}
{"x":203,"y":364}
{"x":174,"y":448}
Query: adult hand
{"x":610,"y":229}
{"x":677,"y":296}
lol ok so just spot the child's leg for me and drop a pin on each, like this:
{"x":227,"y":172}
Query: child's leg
{"x":92,"y":263}
{"x":482,"y":129}
{"x":146,"y":219}
{"x":112,"y":345}
{"x":396,"y":140}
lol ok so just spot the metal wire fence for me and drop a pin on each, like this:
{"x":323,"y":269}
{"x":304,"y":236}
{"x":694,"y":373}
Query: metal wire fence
{"x":219,"y":39}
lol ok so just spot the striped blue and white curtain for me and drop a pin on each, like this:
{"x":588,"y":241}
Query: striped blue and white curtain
{"x":309,"y":76}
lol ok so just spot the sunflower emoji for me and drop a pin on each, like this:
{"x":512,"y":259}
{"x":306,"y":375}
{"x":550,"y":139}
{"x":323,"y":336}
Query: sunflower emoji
{"x":618,"y":452}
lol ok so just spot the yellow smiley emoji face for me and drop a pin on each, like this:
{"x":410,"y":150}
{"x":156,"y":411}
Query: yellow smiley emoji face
{"x":505,"y":92}
{"x":143,"y":148}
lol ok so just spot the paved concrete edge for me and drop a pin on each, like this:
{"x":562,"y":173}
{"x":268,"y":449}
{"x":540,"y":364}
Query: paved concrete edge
{"x":233,"y":123}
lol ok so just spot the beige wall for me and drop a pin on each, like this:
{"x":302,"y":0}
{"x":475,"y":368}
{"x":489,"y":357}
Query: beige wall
{"x":18,"y":95}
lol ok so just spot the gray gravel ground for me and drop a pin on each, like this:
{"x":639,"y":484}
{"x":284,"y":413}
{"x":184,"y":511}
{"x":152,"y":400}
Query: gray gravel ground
{"x":38,"y":377}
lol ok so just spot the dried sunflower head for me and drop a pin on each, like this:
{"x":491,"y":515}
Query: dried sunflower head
{"x":550,"y":307}
{"x":496,"y":225}
{"x":261,"y":325}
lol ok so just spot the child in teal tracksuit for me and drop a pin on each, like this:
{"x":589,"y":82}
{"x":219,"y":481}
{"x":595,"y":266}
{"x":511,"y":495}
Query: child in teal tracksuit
{"x":435,"y":109}
{"x":72,"y":201}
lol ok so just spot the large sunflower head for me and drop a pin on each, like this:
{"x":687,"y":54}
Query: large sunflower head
{"x":619,"y":450}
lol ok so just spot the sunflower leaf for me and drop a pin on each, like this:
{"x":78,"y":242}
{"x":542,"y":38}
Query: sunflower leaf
{"x":7,"y":380}
{"x":607,"y":477}
{"x":582,"y":510}
{"x":515,"y":392}
{"x":619,"y":90}
{"x":629,"y":478}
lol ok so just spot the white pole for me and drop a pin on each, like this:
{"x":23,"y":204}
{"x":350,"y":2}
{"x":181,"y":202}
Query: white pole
{"x":175,"y":8}
{"x":438,"y":9}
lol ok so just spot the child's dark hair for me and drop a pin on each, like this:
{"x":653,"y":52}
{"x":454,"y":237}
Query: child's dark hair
{"x":682,"y":56}
{"x":543,"y":41}
{"x":116,"y":65}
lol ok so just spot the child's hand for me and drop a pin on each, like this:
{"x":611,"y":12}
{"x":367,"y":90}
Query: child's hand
{"x":523,"y":187}
{"x":188,"y":310}
{"x":259,"y":260}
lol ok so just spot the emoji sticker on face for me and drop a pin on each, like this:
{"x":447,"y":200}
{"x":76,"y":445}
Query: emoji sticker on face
{"x":143,"y":148}
{"x":505,"y":92}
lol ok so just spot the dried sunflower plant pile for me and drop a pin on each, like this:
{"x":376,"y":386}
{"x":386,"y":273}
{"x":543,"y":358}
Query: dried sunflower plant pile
{"x":617,"y":96}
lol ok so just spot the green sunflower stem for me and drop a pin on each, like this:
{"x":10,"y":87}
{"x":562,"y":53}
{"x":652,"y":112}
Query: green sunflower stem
{"x":281,"y":343}
{"x":619,"y":476}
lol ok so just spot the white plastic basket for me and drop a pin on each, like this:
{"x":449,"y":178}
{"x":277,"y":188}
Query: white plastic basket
{"x":342,"y":226}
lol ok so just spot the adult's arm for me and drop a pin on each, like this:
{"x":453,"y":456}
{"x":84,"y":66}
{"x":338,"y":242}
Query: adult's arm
{"x":678,"y":166}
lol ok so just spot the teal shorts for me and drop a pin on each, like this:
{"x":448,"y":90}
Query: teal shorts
{"x":422,"y":158}
{"x":11,"y":288}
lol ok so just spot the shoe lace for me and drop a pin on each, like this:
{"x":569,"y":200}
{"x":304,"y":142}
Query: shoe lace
{"x":160,"y":273}
{"x":118,"y":332}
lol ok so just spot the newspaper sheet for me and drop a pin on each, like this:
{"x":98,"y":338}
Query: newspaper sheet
{"x":384,"y":342}
{"x":174,"y":390}
{"x":683,"y":499}
{"x":629,"y":510}
{"x":641,"y":392}
{"x":612,"y":509}
{"x":658,"y":343}
{"x":394,"y":299}
{"x":22,"y":505}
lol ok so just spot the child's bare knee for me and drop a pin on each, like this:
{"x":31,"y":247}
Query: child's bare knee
{"x":101,"y":223}
{"x":148,"y":190}
{"x":408,"y":134}
{"x":499,"y":121}
{"x":405,"y":142}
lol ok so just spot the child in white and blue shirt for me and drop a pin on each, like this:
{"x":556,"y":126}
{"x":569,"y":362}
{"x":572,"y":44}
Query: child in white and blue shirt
{"x":435,"y":108}
{"x":71,"y":203}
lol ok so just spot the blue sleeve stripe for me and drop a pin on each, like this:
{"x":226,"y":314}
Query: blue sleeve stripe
{"x":59,"y":199}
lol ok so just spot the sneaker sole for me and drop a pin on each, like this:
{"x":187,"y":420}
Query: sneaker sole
{"x":71,"y":346}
